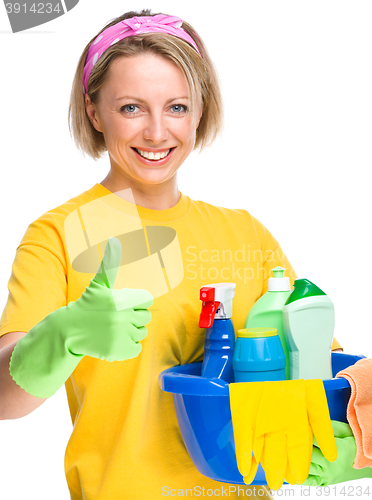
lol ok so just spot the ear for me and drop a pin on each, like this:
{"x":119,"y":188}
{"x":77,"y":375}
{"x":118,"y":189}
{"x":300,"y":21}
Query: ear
{"x":92,"y":113}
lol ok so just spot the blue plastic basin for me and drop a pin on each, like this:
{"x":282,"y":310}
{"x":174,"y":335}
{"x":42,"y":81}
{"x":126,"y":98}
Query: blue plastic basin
{"x":203,"y":412}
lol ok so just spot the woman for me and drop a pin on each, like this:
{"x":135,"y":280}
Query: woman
{"x":150,"y":96}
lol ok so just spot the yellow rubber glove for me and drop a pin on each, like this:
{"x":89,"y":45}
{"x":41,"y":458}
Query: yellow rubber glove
{"x":276,"y":421}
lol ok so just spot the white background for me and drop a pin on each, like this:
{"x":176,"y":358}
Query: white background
{"x":296,"y":152}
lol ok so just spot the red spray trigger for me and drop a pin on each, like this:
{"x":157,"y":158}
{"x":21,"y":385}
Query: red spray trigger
{"x":209,"y":307}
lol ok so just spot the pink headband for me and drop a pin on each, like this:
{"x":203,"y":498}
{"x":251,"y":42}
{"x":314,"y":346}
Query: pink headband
{"x":130,"y":27}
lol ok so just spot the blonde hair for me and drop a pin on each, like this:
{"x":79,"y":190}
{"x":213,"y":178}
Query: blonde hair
{"x":199,"y":72}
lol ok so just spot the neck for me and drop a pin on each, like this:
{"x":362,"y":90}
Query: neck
{"x":153,"y":196}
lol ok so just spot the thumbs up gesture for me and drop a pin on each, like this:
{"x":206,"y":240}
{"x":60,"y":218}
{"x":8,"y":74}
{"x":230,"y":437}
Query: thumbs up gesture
{"x":109,"y":324}
{"x":103,"y":323}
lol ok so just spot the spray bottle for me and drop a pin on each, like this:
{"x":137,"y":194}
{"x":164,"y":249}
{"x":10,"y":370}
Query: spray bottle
{"x":219,"y":343}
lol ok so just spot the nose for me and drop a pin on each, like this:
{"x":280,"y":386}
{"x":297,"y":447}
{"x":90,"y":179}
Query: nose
{"x":156,"y":130}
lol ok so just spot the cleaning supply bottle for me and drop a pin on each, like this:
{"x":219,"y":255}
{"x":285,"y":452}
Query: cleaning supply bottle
{"x":258,"y":356}
{"x":219,"y":343}
{"x":267,"y":311}
{"x":309,"y":320}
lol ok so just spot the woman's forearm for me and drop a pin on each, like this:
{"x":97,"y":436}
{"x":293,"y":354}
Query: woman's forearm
{"x":14,"y":401}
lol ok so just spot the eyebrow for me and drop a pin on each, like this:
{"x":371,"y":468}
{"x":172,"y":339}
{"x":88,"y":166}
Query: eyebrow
{"x":142,"y":100}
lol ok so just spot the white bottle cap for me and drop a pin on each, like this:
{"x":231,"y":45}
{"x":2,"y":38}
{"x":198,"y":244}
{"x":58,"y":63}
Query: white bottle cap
{"x":279,"y":283}
{"x":224,"y":293}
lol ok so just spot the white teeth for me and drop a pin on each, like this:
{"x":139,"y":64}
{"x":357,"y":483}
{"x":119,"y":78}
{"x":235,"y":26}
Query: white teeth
{"x":150,"y":155}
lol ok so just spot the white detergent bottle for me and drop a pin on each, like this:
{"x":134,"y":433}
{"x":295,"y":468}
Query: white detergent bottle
{"x":309,"y":320}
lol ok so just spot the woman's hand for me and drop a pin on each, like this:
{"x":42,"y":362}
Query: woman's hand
{"x":324,"y":473}
{"x":103,"y":323}
{"x":106,"y":323}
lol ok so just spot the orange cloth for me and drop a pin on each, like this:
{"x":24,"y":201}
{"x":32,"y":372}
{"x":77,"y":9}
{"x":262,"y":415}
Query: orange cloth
{"x":359,"y":409}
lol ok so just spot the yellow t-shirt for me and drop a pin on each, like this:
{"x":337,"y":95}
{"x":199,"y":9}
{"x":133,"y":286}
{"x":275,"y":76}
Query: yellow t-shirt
{"x":126,"y":441}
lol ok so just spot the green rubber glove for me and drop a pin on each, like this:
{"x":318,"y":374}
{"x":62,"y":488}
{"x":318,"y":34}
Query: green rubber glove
{"x":324,"y":473}
{"x":103,"y":323}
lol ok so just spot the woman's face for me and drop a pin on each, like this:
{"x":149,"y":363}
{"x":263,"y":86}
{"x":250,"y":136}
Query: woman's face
{"x":144,"y":115}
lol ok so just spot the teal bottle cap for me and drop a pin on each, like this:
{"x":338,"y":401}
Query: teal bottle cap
{"x":303,"y":288}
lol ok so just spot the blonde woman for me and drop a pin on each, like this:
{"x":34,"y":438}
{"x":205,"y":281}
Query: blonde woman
{"x":145,"y":90}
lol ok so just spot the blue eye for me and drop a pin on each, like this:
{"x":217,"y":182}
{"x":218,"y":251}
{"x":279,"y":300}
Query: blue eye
{"x":129,"y":109}
{"x":179,"y":108}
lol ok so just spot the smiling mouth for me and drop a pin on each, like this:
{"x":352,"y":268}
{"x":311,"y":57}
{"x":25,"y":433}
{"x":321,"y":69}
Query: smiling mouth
{"x":154,"y":156}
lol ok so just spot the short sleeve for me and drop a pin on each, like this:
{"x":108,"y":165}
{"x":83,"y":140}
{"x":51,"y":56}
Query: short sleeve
{"x":38,"y":284}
